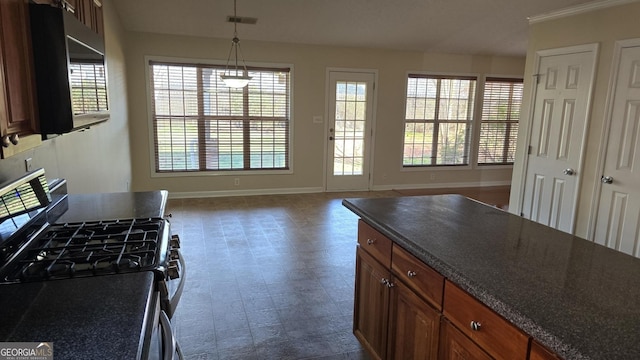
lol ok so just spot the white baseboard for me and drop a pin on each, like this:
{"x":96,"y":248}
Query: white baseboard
{"x":250,"y":192}
{"x":306,"y":190}
{"x":441,"y":185}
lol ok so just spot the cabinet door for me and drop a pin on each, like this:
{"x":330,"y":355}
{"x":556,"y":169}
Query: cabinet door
{"x":414,"y":326}
{"x":18,"y":114}
{"x":454,"y":345}
{"x":371,"y":304}
{"x":98,"y":20}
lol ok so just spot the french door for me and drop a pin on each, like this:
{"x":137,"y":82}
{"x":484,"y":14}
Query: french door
{"x":349,"y":133}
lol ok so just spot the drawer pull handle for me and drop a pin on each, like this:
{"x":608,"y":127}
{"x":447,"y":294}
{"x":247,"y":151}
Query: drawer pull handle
{"x":371,"y":241}
{"x":386,"y":282}
{"x":411,"y":274}
{"x":475,"y":326}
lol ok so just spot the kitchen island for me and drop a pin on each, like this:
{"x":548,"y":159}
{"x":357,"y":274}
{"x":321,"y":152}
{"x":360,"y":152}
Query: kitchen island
{"x":574,"y":297}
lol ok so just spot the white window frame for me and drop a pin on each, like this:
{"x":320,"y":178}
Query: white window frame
{"x":150,"y":124}
{"x":471,"y":163}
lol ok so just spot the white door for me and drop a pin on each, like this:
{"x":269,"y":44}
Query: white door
{"x":560,"y":112}
{"x":618,"y":219}
{"x":349,"y":130}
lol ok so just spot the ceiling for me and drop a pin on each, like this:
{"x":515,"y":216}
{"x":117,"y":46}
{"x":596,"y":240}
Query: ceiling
{"x":475,"y":27}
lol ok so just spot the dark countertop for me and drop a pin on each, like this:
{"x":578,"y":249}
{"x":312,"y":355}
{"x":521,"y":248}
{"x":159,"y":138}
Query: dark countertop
{"x":87,"y":318}
{"x":111,"y":206}
{"x":578,"y":298}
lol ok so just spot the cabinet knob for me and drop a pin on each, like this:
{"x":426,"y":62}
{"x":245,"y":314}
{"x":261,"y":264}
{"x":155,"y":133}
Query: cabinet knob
{"x":475,"y":326}
{"x":411,"y":273}
{"x":14,"y":139}
{"x":371,"y":241}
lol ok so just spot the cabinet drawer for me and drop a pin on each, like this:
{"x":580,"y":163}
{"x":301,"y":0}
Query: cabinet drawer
{"x":539,"y":352}
{"x":494,"y":334}
{"x":376,"y":244}
{"x":420,"y":277}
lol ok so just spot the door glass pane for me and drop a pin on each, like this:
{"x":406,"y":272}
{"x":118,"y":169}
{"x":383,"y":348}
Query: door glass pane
{"x":348,"y":148}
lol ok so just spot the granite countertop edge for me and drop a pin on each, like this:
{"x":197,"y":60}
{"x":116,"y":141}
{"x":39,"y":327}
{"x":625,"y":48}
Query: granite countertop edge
{"x":524,"y":323}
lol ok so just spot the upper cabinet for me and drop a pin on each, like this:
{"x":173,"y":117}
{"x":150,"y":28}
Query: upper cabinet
{"x":18,"y":114}
{"x":89,"y":12}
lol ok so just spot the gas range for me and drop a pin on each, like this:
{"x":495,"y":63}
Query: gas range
{"x":34,"y":246}
{"x":83,"y":249}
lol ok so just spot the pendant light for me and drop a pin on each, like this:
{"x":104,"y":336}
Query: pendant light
{"x":236,"y":77}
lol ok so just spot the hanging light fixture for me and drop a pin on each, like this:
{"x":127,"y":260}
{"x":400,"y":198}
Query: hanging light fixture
{"x":238,"y":77}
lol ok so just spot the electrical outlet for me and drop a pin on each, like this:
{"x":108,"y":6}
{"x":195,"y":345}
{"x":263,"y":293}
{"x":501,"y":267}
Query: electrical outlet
{"x":433,"y":176}
{"x":28,"y":165}
{"x":236,"y":181}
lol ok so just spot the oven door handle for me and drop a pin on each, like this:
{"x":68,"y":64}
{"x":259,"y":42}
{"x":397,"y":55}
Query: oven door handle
{"x":173,"y":302}
{"x":170,"y":348}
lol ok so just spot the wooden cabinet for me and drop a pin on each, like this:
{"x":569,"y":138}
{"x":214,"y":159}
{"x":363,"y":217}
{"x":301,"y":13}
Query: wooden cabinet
{"x":539,"y":352}
{"x":18,"y":115}
{"x":404,"y":309}
{"x":414,"y":326}
{"x":370,"y":316}
{"x":454,"y":345}
{"x":376,"y":244}
{"x":486,"y":328}
{"x":391,"y":320}
{"x":422,"y":279}
{"x":89,"y":12}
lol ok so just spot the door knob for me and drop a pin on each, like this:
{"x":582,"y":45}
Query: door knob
{"x":606,"y":179}
{"x":568,"y":171}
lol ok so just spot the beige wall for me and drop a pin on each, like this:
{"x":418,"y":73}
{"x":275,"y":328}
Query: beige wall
{"x":98,"y":159}
{"x":603,"y":27}
{"x":310,"y":65}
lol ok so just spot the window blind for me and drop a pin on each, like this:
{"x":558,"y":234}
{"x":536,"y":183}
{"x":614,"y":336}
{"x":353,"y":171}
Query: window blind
{"x":439,"y":111}
{"x":499,"y":123}
{"x":200,"y":124}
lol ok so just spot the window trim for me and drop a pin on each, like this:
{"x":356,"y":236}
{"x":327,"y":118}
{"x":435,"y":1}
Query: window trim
{"x":235,"y":173}
{"x":479,"y":78}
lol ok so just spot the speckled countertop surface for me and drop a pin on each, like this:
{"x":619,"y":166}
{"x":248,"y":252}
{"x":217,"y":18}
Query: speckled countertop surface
{"x":577,"y":298}
{"x":88,"y":318}
{"x":110,"y":206}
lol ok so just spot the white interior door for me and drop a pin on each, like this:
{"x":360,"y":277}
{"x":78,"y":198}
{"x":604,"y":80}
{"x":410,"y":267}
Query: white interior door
{"x":618,"y":219}
{"x":560,"y":112}
{"x":349,"y":130}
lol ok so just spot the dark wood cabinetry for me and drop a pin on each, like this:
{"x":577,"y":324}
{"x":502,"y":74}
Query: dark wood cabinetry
{"x":371,"y":304}
{"x":404,"y":309}
{"x":89,"y":12}
{"x":18,"y":115}
{"x":539,"y":352}
{"x":390,"y":319}
{"x":413,"y":326}
{"x":454,"y":345}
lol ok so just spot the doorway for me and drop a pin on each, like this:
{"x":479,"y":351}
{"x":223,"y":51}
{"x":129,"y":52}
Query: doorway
{"x":350,"y":129}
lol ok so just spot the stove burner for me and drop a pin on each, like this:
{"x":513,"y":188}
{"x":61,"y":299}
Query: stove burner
{"x":89,"y":249}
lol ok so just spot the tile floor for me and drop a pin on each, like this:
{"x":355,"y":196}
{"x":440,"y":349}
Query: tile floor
{"x":269,"y":277}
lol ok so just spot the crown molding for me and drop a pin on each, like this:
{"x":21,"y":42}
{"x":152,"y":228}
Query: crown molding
{"x":579,"y":9}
